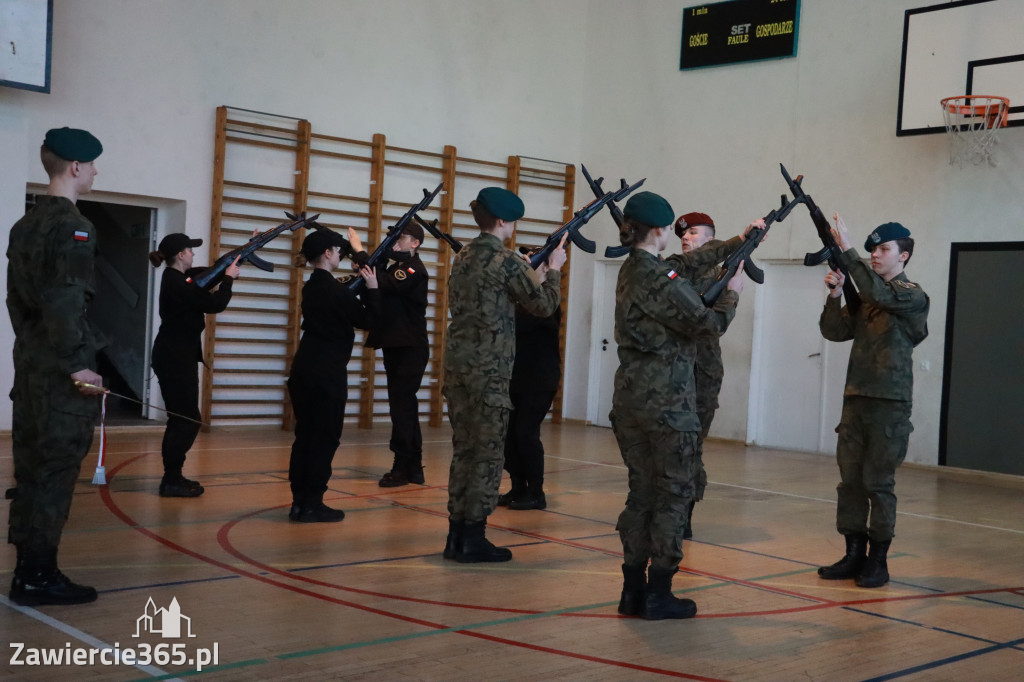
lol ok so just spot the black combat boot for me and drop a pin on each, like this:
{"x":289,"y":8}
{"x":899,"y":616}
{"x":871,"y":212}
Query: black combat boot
{"x":659,"y":602}
{"x":174,"y":484}
{"x":634,"y":587}
{"x":517,"y":492}
{"x":851,"y":563}
{"x":533,"y":498}
{"x":453,"y":543}
{"x":312,"y":509}
{"x":688,"y":528}
{"x":414,"y":472}
{"x":875,"y":571}
{"x":478,"y":549}
{"x":37,"y":580}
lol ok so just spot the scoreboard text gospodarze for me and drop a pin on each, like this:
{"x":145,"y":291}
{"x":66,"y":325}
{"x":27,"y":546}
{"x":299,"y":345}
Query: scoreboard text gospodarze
{"x":739,"y":31}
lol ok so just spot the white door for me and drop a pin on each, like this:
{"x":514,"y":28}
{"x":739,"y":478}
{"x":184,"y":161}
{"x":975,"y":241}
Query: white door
{"x":797,"y":377}
{"x":604,"y":358}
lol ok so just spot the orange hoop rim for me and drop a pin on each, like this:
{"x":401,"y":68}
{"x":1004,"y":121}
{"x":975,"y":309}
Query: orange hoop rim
{"x":991,"y":109}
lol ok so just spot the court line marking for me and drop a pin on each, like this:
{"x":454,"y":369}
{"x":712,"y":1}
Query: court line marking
{"x":84,"y":637}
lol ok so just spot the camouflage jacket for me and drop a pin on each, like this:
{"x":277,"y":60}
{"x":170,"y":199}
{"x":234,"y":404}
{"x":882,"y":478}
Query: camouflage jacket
{"x":486,"y":283}
{"x":51,"y":255}
{"x":891,"y":321}
{"x":658,"y":318}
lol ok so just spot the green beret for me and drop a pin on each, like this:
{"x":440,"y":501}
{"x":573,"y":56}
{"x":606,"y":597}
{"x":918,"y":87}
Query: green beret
{"x":650,"y":209}
{"x":501,"y":203}
{"x":72,"y":144}
{"x":885,"y":233}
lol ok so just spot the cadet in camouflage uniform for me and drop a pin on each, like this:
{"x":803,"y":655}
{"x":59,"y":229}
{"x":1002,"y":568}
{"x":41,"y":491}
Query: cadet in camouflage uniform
{"x":658,"y":318}
{"x":694,"y":231}
{"x":875,"y":425}
{"x":486,"y":283}
{"x":49,"y":285}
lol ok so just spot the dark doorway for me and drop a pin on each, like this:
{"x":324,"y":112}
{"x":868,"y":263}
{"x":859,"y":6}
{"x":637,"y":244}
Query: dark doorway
{"x":983,"y":380}
{"x":121,"y":307}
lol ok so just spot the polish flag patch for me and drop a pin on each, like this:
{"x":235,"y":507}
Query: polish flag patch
{"x":411,"y":271}
{"x":81,"y":236}
{"x":672,"y":274}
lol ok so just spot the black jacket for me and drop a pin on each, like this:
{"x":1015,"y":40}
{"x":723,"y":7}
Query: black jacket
{"x":403,"y":315}
{"x":183,"y":309}
{"x":538,"y":365}
{"x":330,"y":314}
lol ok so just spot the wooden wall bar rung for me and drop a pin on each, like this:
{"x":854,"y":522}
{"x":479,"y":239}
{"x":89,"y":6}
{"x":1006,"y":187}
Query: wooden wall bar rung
{"x":339,"y":155}
{"x":496,"y":164}
{"x":418,"y":152}
{"x":259,"y":143}
{"x":332,"y":138}
{"x":253,"y":185}
{"x":413,"y":166}
{"x":259,"y":126}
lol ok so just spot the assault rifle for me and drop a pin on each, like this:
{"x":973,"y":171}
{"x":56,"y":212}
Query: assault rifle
{"x":433,"y":229}
{"x":246,"y":253}
{"x":595,"y":186}
{"x":751,"y":242}
{"x":380,"y":254}
{"x":578,"y":220}
{"x":830,"y":251}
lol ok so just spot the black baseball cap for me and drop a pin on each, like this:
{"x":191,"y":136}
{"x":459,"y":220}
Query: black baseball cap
{"x":175,"y":243}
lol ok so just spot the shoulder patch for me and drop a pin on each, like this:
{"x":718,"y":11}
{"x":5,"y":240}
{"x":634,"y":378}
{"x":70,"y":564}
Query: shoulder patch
{"x":411,"y":271}
{"x":400,"y":274}
{"x":81,"y":236}
{"x":672,"y":274}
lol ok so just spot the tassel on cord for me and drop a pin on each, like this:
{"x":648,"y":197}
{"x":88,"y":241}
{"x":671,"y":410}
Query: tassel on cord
{"x":100,"y":477}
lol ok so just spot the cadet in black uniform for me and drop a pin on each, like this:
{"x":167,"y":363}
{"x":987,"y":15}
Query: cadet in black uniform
{"x":177,"y":350}
{"x":535,"y":376}
{"x":401,"y":334}
{"x":318,"y":382}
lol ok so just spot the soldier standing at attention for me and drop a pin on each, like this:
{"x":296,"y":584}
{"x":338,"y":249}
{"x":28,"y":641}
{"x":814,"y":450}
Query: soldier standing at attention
{"x":51,"y":254}
{"x":875,"y":425}
{"x":178,"y":350}
{"x":658,"y":317}
{"x":486,"y":283}
{"x":694,"y":231}
{"x":401,"y":334}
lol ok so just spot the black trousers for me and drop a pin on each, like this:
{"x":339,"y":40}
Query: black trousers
{"x":524,"y":453}
{"x":405,"y":367}
{"x":179,"y":385}
{"x":319,"y":417}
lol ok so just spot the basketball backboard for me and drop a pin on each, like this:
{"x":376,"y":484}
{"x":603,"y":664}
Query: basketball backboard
{"x":972,"y":47}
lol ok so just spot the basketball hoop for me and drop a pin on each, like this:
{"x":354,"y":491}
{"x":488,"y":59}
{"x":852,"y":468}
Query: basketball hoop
{"x":972,"y":122}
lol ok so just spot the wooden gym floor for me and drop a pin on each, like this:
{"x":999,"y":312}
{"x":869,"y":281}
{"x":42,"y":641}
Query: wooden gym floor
{"x":372,"y":599}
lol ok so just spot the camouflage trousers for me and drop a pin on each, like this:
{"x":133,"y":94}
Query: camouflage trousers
{"x":52,"y":429}
{"x":664,"y":468}
{"x":478,"y":408}
{"x":873,"y":437}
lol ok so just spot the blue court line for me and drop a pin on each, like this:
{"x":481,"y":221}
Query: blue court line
{"x":946,"y":661}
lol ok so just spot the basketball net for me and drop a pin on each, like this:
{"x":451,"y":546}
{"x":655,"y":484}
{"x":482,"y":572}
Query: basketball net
{"x":972,"y":122}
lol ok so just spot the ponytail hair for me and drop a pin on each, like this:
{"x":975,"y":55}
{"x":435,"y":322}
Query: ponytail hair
{"x":633,"y":232}
{"x":156,"y":258}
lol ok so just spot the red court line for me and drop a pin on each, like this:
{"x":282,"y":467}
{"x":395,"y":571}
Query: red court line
{"x":124,"y":517}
